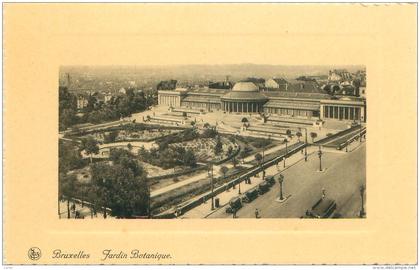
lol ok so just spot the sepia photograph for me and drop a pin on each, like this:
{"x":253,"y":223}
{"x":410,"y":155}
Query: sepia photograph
{"x":229,"y":141}
{"x":210,"y":134}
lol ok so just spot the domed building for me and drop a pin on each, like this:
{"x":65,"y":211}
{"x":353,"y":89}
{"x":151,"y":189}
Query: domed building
{"x":245,"y":97}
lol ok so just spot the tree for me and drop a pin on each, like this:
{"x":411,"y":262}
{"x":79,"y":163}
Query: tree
{"x":129,"y":147}
{"x":224,"y":170}
{"x":111,"y":136}
{"x":90,"y":145}
{"x":245,"y":121}
{"x":67,"y":108}
{"x":67,"y":188}
{"x":218,"y":147}
{"x":230,"y":150}
{"x":313,"y":135}
{"x":242,"y":155}
{"x":92,"y":101}
{"x":234,"y":162}
{"x":69,"y":157}
{"x":258,"y":158}
{"x":121,"y":186}
{"x":209,"y":133}
{"x":189,"y":158}
{"x":206,"y":125}
{"x":299,"y":135}
{"x":67,"y":118}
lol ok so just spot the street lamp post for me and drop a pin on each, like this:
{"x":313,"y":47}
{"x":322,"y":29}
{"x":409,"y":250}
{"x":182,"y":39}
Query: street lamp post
{"x":362,"y":191}
{"x":306,"y":144}
{"x":281,"y":178}
{"x":262,"y":163}
{"x":212,"y":186}
{"x":105,"y":194}
{"x":239,"y":190}
{"x":149,"y":212}
{"x":284,"y":158}
{"x":360,"y":135}
{"x":320,"y":160}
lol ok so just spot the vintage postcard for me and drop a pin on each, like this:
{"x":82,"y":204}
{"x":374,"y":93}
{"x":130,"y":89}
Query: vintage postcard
{"x":210,"y":133}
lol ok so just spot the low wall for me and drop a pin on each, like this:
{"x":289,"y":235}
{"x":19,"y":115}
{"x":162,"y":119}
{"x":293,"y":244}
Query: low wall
{"x":338,"y":134}
{"x":355,"y":137}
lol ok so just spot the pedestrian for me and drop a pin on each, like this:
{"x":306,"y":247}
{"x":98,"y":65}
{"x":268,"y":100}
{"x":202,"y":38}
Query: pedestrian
{"x":257,"y":213}
{"x":234,"y":213}
{"x":323,"y":193}
{"x":73,"y":207}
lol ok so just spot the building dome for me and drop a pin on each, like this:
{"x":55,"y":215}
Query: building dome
{"x":245,"y":91}
{"x":245,"y":87}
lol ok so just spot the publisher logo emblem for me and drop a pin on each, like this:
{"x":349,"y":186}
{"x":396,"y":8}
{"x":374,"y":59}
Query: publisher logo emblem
{"x":34,"y":253}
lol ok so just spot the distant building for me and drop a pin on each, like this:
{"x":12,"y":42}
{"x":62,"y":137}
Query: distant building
{"x":167,"y":85}
{"x":260,"y":82}
{"x":82,"y":102}
{"x":122,"y":91}
{"x":107,"y":97}
{"x":337,"y":75}
{"x":226,"y":84}
{"x":171,"y":98}
{"x":276,"y":83}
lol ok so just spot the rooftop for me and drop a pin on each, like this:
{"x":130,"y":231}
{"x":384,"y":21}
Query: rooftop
{"x":296,"y":95}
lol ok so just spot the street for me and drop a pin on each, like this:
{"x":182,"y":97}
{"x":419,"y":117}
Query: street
{"x":303,"y":184}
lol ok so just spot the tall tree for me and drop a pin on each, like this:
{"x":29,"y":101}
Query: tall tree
{"x":189,"y":158}
{"x":122,"y":186}
{"x":67,"y":189}
{"x":234,"y":162}
{"x":258,"y":158}
{"x":218,"y":148}
{"x":224,"y":170}
{"x":299,"y":135}
{"x":90,"y":145}
{"x":313,"y":135}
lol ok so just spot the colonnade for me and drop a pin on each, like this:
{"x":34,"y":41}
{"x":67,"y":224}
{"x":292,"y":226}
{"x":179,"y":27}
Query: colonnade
{"x":342,"y":112}
{"x":245,"y":107}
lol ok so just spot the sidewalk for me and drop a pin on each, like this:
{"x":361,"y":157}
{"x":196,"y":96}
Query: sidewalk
{"x":84,"y":211}
{"x":204,"y":210}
